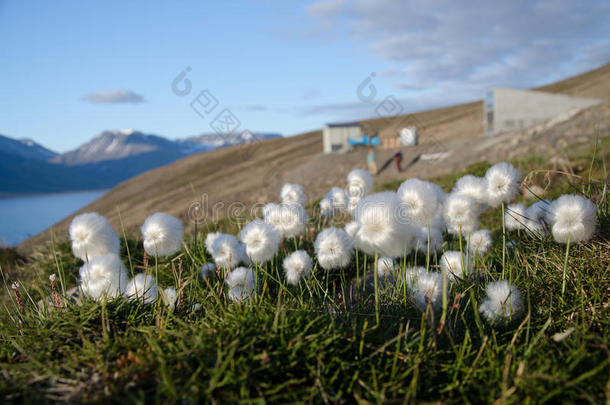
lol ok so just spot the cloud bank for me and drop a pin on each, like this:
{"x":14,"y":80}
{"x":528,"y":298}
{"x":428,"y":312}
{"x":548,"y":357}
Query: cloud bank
{"x":440,"y":47}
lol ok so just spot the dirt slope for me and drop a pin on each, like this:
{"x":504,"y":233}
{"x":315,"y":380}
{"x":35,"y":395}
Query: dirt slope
{"x":241,"y":176}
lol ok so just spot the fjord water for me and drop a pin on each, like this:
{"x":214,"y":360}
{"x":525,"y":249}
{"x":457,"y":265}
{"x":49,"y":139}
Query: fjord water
{"x":25,"y":216}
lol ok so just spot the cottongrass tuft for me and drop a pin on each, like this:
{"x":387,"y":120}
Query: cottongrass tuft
{"x":261,"y":239}
{"x":427,"y":289}
{"x":334,"y":248}
{"x":515,"y":217}
{"x":227,"y":251}
{"x":421,"y":200}
{"x":169,"y":296}
{"x":451,"y":264}
{"x":461,"y":213}
{"x":351,"y":228}
{"x":474,"y":187}
{"x":502,"y":183}
{"x":503,"y":302}
{"x":297,"y":266}
{"x":103,"y":276}
{"x":384,"y":228}
{"x":326,"y":207}
{"x":91,"y":236}
{"x":573,"y":218}
{"x":480,"y":242}
{"x":352,"y":204}
{"x":289,"y":219}
{"x":143,"y":287}
{"x":293,"y":193}
{"x":535,"y":214}
{"x":359,"y":183}
{"x":339,"y":199}
{"x":207,"y":269}
{"x":210,"y":238}
{"x":412,"y":274}
{"x":385,"y":266}
{"x":162,"y":234}
{"x":436,"y":239}
{"x":241,"y":283}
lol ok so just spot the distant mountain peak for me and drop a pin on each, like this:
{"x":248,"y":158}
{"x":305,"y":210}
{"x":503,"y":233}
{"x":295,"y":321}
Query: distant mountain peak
{"x":25,"y":148}
{"x":105,"y":160}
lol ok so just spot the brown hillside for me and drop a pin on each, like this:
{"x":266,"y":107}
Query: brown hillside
{"x":244,"y":175}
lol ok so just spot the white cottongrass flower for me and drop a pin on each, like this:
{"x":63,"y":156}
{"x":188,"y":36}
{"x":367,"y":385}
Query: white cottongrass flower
{"x":352,"y":204}
{"x":461,"y":213}
{"x":326,"y":207}
{"x":427,"y":289}
{"x":436,"y":239}
{"x":480,"y":242}
{"x":338,"y":198}
{"x":293,"y":193}
{"x":385,"y":266}
{"x":227,"y":251}
{"x":502,"y":183}
{"x":162,"y":234}
{"x":52,"y":277}
{"x":515,"y":217}
{"x":383,"y":226}
{"x":143,"y":287}
{"x":103,"y":276}
{"x":421,"y":199}
{"x":412,"y":274}
{"x":207,"y":269}
{"x":210,"y":238}
{"x":261,"y":239}
{"x":297,"y":266}
{"x":92,"y":236}
{"x":535,"y":214}
{"x":289,"y":219}
{"x":359,"y":183}
{"x":503,"y":302}
{"x":451,"y":264}
{"x":241,"y":283}
{"x":334,"y":248}
{"x":573,"y":218}
{"x":538,"y":211}
{"x":169,"y":296}
{"x":351,"y":228}
{"x":474,"y":187}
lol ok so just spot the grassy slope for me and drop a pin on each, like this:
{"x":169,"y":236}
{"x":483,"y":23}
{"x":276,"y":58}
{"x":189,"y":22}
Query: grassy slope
{"x":300,"y":344}
{"x":243,"y":173}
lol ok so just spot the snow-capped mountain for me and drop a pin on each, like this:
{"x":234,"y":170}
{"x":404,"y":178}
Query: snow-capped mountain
{"x":119,"y":144}
{"x":205,"y":142}
{"x":25,"y":148}
{"x":103,"y":162}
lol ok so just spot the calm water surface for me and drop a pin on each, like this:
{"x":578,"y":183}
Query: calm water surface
{"x":23,"y":217}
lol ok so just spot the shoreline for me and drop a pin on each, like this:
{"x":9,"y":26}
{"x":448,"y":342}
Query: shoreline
{"x":43,"y":194}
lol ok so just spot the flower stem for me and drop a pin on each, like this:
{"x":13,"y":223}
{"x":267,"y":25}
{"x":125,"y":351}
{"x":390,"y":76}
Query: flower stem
{"x":503,"y":240}
{"x":376,"y":278}
{"x":565,"y":268}
{"x":428,"y":253}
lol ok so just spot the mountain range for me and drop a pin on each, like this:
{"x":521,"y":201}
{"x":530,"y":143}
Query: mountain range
{"x":103,"y":162}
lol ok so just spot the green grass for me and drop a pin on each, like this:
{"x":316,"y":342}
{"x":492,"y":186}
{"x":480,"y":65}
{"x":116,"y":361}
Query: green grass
{"x":315,"y":343}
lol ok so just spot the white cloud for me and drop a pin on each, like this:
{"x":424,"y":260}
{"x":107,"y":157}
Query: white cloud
{"x":473,"y":45}
{"x":113,"y":97}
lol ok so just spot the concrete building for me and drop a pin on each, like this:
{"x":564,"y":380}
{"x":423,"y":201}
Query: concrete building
{"x":510,"y":109}
{"x":336,"y":136}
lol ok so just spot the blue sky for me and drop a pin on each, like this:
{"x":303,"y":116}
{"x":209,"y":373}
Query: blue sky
{"x":71,"y":69}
